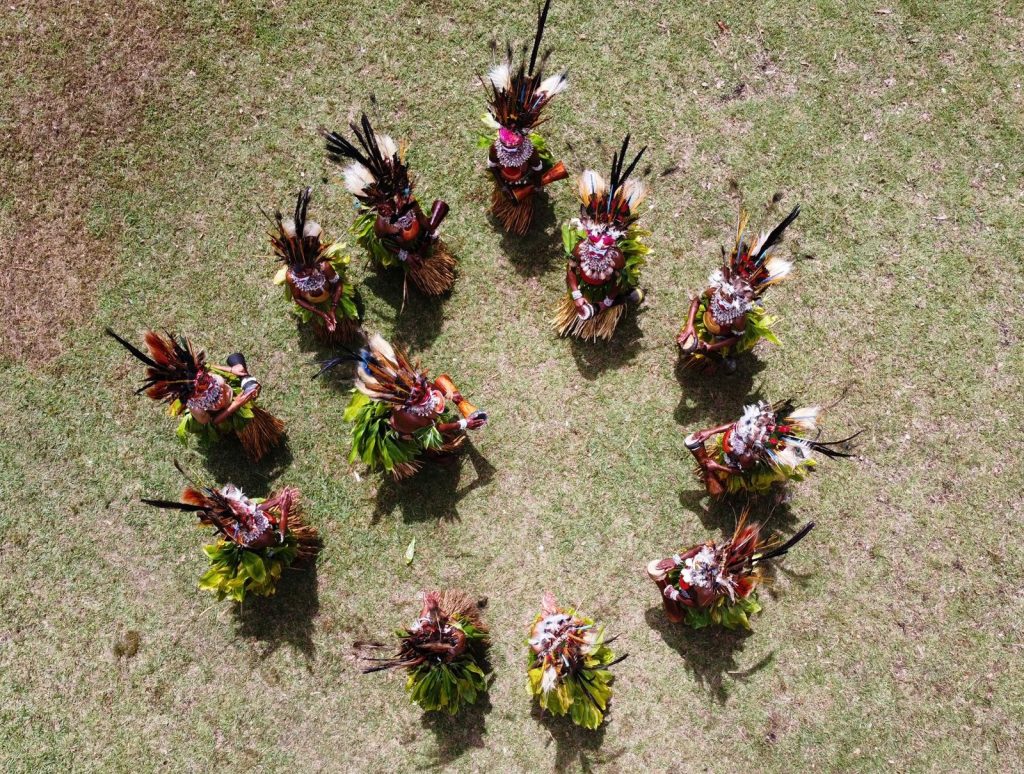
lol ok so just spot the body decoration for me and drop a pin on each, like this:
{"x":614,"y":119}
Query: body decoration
{"x":728,"y":318}
{"x":605,"y":252}
{"x":390,"y":225}
{"x":257,"y":538}
{"x":568,"y":663}
{"x":445,"y":653}
{"x":517,"y":155}
{"x":765,"y":448}
{"x":399,"y":415}
{"x":715,"y":583}
{"x":212,"y":400}
{"x":314,"y":275}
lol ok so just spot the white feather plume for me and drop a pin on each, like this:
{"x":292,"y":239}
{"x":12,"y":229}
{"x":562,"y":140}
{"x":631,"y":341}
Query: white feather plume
{"x":778,"y":269}
{"x":357,"y":178}
{"x":501,"y":76}
{"x":634,"y":192}
{"x":591,"y":184}
{"x":387,"y":146}
{"x":381,"y":348}
{"x":553,"y":85}
{"x":806,"y":418}
{"x":758,"y":244}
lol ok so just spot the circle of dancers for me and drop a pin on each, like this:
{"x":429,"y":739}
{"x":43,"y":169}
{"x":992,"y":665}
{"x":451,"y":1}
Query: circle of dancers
{"x":403,"y":420}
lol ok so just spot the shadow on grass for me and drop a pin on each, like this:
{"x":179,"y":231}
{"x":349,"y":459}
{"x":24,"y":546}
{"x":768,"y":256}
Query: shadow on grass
{"x":434,"y":492}
{"x":286,"y":618}
{"x":576,"y":747}
{"x":227,"y":463}
{"x":593,"y":358}
{"x":539,"y":250}
{"x":723,"y":513}
{"x":710,"y":653}
{"x":418,"y":323}
{"x":716,"y":394}
{"x":455,"y":735}
{"x":322,"y":349}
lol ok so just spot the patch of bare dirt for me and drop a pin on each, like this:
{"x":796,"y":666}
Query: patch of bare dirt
{"x":78,"y":75}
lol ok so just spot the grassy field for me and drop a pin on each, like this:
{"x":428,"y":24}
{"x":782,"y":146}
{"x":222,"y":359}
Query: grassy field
{"x":139,"y":143}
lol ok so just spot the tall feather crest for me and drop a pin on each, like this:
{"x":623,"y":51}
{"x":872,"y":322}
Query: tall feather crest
{"x":172,"y":365}
{"x":617,"y":201}
{"x":377,"y":171}
{"x":518,"y":94}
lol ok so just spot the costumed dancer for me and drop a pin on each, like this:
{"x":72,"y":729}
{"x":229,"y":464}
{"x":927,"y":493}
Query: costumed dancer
{"x":400,"y":416}
{"x":314,"y":274}
{"x":605,"y":252}
{"x":765,"y":448}
{"x":568,"y":662}
{"x":391,"y":225}
{"x":444,"y":652}
{"x":716,"y":584}
{"x":518,"y":156}
{"x":728,"y":319}
{"x":212,"y":400}
{"x":258,"y":538}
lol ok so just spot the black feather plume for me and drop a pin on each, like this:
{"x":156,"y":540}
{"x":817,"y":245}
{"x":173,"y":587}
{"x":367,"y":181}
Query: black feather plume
{"x":776,"y":233}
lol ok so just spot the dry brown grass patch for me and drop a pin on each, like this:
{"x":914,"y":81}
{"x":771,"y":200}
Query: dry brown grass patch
{"x":82,"y":73}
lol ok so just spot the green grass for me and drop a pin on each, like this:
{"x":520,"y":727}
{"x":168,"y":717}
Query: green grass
{"x":890,"y":640}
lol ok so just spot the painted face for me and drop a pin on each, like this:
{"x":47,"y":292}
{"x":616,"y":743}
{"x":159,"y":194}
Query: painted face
{"x":206,"y":392}
{"x":731,"y":298}
{"x":513,"y":148}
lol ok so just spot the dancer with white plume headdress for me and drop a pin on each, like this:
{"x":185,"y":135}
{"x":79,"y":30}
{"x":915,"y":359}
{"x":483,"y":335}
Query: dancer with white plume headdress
{"x":605,"y":251}
{"x":391,"y":225}
{"x":399,"y":414}
{"x":728,"y":317}
{"x":568,"y":664}
{"x":518,"y":155}
{"x":765,"y":448}
{"x":716,"y":583}
{"x":258,"y":538}
{"x":315,"y":274}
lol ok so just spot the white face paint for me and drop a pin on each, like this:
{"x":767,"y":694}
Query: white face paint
{"x":731,"y":299}
{"x":514,"y":156}
{"x":753,"y":428}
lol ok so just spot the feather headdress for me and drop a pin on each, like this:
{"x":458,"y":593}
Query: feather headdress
{"x":174,"y":369}
{"x":732,"y":568}
{"x":781,"y":435}
{"x":385,"y":373}
{"x":518,"y":94}
{"x":375,"y":169}
{"x":754,"y":265}
{"x":209,"y":504}
{"x":296,"y":241}
{"x":616,"y":201}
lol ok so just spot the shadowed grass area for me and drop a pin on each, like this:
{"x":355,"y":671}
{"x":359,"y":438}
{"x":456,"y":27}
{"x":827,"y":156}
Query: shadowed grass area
{"x":889,"y":640}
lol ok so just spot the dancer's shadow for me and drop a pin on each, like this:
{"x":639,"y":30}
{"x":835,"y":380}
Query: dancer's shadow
{"x":710,"y":653}
{"x":418,"y":321}
{"x":717,"y":394}
{"x":576,"y":747}
{"x":539,"y":250}
{"x":724,"y":513}
{"x":433,"y":493}
{"x":593,"y":358}
{"x":227,"y":463}
{"x":320,"y":349}
{"x":455,"y":735}
{"x":771,"y":510}
{"x":286,"y":618}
